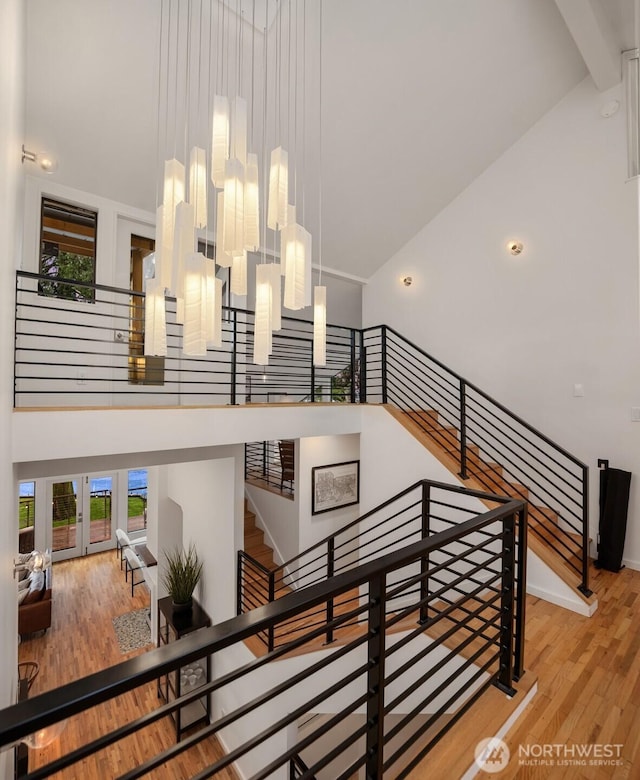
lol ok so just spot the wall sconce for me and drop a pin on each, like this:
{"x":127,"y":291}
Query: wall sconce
{"x":407,"y":281}
{"x":45,"y":160}
{"x":515,"y":247}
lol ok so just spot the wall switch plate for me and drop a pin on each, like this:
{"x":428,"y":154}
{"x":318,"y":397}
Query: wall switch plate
{"x":635,"y":414}
{"x":578,"y":391}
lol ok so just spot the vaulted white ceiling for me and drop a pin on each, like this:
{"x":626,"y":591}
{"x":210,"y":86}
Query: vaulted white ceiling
{"x":419,"y":97}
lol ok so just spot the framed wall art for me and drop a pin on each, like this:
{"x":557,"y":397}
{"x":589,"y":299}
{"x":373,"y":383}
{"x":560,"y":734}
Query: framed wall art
{"x":335,"y":486}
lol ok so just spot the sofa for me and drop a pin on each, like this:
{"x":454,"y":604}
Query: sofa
{"x":34,"y":601}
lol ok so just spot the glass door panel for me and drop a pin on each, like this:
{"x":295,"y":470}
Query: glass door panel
{"x":82,"y":510}
{"x":65,"y":521}
{"x":100,"y":510}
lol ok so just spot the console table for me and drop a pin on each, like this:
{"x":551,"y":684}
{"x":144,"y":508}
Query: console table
{"x":171,"y":627}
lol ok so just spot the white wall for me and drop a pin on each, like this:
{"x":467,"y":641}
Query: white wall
{"x":59,"y":435}
{"x":278,"y":517}
{"x":384,"y":477}
{"x":565,"y":312}
{"x":323,"y":451}
{"x":70,"y":51}
{"x":12,"y":14}
{"x":209,"y":493}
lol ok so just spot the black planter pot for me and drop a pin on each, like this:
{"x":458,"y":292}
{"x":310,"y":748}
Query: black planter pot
{"x":185,"y":607}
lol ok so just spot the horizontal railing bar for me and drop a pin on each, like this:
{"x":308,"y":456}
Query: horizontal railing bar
{"x":423,"y":390}
{"x":433,"y":718}
{"x":47,"y":708}
{"x":441,"y":688}
{"x":459,"y":489}
{"x":432,"y":622}
{"x":472,"y":421}
{"x":504,"y":458}
{"x":210,"y":730}
{"x":502,"y":423}
{"x":473,"y":387}
{"x":246,"y":557}
{"x":450,"y":415}
{"x":449,"y":392}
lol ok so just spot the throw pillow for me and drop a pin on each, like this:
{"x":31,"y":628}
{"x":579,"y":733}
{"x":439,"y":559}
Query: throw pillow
{"x":22,"y":595}
{"x":24,"y":584}
{"x":37,"y":580}
{"x":24,"y":557}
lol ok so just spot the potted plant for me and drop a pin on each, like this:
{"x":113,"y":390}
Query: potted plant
{"x":181,"y":576}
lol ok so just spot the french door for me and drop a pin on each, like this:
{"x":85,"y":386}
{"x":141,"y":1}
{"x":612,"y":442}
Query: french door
{"x":81,"y":514}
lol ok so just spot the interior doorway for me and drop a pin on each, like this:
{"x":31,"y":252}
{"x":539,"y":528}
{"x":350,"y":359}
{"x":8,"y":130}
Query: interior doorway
{"x":143,"y":370}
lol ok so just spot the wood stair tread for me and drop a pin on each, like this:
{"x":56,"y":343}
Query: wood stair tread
{"x":481,"y":476}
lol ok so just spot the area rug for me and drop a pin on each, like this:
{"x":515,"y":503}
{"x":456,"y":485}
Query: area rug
{"x":132,"y":630}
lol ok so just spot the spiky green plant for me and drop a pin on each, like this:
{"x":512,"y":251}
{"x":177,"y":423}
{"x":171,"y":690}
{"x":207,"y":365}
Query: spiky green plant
{"x":182,"y":574}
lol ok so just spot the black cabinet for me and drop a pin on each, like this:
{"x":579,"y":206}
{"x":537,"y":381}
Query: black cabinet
{"x":172,"y":626}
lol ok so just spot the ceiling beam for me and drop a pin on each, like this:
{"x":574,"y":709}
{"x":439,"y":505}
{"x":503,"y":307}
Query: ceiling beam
{"x":594,"y":37}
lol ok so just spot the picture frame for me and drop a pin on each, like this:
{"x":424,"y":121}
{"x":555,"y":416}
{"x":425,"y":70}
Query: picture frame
{"x":335,"y":486}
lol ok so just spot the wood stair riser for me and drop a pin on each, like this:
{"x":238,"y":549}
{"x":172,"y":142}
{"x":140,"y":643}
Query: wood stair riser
{"x":489,"y":477}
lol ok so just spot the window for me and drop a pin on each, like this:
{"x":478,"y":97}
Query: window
{"x":137,"y":500}
{"x":67,"y":250}
{"x":27,"y":517}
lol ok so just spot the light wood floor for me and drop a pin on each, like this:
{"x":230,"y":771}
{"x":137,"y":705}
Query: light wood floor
{"x":588,"y":675}
{"x":588,"y":680}
{"x":88,"y":593}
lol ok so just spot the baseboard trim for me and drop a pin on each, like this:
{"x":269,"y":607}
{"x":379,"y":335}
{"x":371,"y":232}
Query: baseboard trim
{"x":579,"y":606}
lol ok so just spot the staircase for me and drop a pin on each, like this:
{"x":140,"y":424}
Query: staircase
{"x":255,"y":593}
{"x":444,"y":443}
{"x":254,"y":540}
{"x":487,"y":445}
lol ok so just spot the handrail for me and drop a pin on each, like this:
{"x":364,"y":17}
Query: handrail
{"x":491,"y":443}
{"x":256,"y":564}
{"x":96,"y":353}
{"x":487,"y":496}
{"x":500,"y":406}
{"x":493,"y":654}
{"x":397,"y":521}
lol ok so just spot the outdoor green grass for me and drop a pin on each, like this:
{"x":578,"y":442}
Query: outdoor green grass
{"x":100,"y":508}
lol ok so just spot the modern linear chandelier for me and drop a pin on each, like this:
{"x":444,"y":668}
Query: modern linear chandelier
{"x":232,"y":146}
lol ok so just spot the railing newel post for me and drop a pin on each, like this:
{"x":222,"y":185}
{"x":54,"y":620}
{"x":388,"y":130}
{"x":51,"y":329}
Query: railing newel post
{"x":234,"y":359}
{"x":584,"y":585}
{"x":424,"y":561}
{"x":363,"y":370}
{"x":376,"y":678}
{"x":352,"y":390}
{"x":463,"y":429}
{"x":383,"y":347}
{"x":271,"y":634}
{"x":331,"y":546}
{"x":504,"y":679}
{"x":239,"y":580}
{"x":264,"y":461}
{"x":521,"y":592}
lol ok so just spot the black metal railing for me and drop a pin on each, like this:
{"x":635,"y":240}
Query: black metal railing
{"x":422,"y":510}
{"x":501,"y":451}
{"x":86,"y":354}
{"x":263,"y":466}
{"x":438,"y":618}
{"x":70,"y":353}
